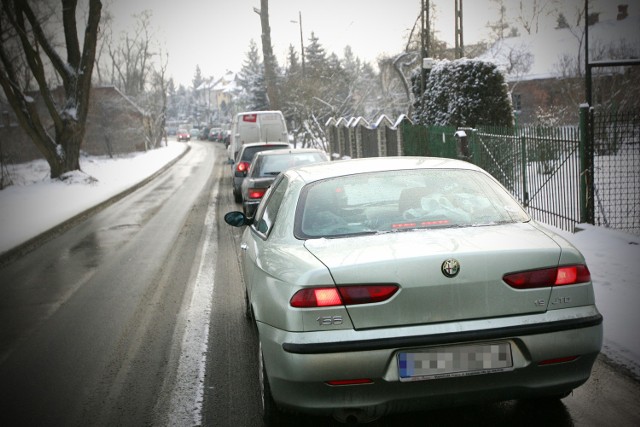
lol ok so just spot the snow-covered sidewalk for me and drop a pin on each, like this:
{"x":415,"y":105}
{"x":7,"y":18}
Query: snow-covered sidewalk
{"x":35,"y":204}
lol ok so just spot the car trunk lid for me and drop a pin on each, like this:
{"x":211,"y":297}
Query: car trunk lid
{"x":415,"y":259}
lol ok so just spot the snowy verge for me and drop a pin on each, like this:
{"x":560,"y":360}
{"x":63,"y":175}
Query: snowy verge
{"x":36,"y":203}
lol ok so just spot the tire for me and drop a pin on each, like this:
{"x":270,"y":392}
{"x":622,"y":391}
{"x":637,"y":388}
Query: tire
{"x":237,"y":197}
{"x":248,"y":313}
{"x":550,"y":398}
{"x":558,"y":396}
{"x":271,"y":415}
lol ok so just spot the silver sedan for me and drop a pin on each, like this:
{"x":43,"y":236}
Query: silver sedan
{"x":266,"y":165}
{"x":393,"y":284}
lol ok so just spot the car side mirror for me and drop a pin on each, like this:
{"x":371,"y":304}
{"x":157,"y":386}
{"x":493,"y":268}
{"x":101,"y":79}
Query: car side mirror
{"x":237,"y":219}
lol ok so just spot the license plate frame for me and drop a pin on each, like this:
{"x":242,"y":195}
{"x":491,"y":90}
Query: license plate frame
{"x":459,"y":360}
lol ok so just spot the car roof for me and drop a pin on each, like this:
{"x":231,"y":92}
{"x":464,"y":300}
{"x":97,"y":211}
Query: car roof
{"x":258,"y":144}
{"x":318,"y":171}
{"x":285,"y":151}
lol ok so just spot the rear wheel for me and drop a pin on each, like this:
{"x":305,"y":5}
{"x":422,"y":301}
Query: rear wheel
{"x":247,"y":306}
{"x":558,"y":396}
{"x":271,"y":415}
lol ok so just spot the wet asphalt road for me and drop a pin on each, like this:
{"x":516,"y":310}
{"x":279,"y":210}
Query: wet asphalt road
{"x":93,"y":324}
{"x":92,"y":320}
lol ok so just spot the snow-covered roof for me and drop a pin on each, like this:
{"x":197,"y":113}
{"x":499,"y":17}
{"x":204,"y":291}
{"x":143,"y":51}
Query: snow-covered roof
{"x":207,"y":83}
{"x":226,"y":82}
{"x":545,"y":50}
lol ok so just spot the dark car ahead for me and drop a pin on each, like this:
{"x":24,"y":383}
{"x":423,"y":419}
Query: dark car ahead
{"x":214,"y":134}
{"x":266,"y":165}
{"x":204,"y":134}
{"x":243,"y":161}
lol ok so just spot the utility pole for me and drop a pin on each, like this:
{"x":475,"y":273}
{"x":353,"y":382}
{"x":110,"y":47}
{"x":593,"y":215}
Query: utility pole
{"x":425,"y":40}
{"x":587,"y":66}
{"x":301,"y":41}
{"x":267,"y":53}
{"x":459,"y":31}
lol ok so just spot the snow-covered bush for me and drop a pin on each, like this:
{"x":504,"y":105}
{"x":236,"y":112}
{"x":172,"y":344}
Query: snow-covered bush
{"x":465,"y":93}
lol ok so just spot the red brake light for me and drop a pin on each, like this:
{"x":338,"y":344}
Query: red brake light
{"x":257,"y":193}
{"x":547,"y":277}
{"x":573,"y":274}
{"x":243,"y":166}
{"x":342,"y":295}
{"x":316,"y":297}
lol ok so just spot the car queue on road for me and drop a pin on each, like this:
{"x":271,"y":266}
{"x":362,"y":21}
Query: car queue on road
{"x":423,"y":276}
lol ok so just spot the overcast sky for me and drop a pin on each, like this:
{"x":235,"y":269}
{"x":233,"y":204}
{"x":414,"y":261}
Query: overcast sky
{"x":215,"y":34}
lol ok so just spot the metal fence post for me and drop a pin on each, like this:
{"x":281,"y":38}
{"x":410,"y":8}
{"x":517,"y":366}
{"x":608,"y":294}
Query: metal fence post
{"x":586,"y":166}
{"x":523,"y":159}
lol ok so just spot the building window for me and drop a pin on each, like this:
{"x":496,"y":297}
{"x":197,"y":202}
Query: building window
{"x":516,"y":100}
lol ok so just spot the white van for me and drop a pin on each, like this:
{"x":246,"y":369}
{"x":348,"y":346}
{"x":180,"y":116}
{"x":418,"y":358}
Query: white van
{"x":257,"y":126}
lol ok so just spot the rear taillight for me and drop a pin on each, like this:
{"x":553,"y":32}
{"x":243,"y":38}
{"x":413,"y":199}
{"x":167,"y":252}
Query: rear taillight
{"x":257,"y":193}
{"x":342,"y":295}
{"x":547,"y":277}
{"x":242,"y":166}
{"x":572,"y":274}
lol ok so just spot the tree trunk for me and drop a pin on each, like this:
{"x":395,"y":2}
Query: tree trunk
{"x":68,"y":113}
{"x":269,"y":59}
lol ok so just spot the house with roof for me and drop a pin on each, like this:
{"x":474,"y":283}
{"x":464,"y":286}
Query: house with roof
{"x":216,"y":97}
{"x":545,"y":71}
{"x":115,"y":125}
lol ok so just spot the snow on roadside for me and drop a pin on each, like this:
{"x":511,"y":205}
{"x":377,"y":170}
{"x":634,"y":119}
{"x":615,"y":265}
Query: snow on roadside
{"x":35,"y":203}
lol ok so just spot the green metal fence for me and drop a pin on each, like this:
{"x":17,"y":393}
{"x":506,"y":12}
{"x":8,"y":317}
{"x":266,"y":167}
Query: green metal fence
{"x":539,"y":166}
{"x":616,"y":169}
{"x":559,"y":174}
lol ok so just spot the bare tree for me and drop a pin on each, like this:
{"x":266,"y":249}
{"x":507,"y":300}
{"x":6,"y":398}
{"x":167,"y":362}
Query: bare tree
{"x":26,"y":37}
{"x":135,"y":65}
{"x":499,"y":27}
{"x":530,"y":12}
{"x":156,"y":106}
{"x":131,"y":58}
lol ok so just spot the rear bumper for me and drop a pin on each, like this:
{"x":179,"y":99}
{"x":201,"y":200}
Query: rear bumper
{"x":300,"y":364}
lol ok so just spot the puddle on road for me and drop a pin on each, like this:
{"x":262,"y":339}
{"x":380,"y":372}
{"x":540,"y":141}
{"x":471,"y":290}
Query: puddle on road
{"x":95,"y":246}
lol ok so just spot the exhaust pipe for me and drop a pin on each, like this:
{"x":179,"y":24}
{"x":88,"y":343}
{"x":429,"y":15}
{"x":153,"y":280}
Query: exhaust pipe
{"x":353,"y":416}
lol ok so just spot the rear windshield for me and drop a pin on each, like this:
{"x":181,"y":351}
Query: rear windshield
{"x":272,"y":165}
{"x":403,"y":200}
{"x":249,"y":152}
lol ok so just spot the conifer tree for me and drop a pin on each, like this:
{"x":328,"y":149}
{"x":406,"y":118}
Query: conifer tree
{"x":251,"y":79}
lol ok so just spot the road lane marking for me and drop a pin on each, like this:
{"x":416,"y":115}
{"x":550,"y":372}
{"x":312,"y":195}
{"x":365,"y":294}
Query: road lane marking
{"x":188,"y":395}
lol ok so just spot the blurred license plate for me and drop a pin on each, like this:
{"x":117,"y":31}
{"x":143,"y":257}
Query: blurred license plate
{"x":455,"y":361}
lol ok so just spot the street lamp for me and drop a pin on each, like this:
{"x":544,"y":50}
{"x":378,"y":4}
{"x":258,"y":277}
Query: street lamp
{"x":299,"y":21}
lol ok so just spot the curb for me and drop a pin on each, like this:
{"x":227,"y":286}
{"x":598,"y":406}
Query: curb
{"x":39,"y":240}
